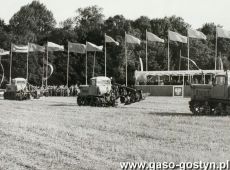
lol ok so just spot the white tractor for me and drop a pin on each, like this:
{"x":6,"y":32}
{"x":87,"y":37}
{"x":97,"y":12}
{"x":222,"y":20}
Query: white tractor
{"x":18,"y":90}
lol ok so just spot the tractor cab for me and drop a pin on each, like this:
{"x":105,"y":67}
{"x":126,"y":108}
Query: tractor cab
{"x":17,"y":84}
{"x":98,"y":86}
{"x":103,"y":84}
{"x":17,"y":90}
{"x":221,"y":86}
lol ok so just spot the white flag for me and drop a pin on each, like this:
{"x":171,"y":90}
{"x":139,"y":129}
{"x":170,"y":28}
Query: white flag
{"x":174,"y":36}
{"x":196,"y":34}
{"x":76,"y":47}
{"x":191,"y":61}
{"x":222,"y":33}
{"x":34,"y":47}
{"x":152,"y":37}
{"x":110,"y":40}
{"x":132,"y":39}
{"x":220,"y":65}
{"x":19,"y":48}
{"x":3,"y":52}
{"x":141,"y":63}
{"x":55,"y":47}
{"x":93,"y":47}
{"x":51,"y":71}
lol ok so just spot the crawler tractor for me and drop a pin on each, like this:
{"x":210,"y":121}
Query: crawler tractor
{"x":101,"y":92}
{"x":212,"y":99}
{"x":18,"y":90}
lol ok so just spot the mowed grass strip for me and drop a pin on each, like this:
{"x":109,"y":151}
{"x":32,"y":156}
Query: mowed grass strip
{"x":55,"y":133}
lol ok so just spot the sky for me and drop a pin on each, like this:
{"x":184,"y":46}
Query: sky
{"x":194,"y":12}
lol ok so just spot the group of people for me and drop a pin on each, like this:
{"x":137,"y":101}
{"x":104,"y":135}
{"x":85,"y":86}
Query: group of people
{"x":61,"y":90}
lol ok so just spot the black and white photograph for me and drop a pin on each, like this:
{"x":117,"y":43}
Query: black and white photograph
{"x":115,"y":85}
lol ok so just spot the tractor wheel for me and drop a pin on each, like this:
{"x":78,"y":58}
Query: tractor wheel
{"x":93,"y":101}
{"x":19,"y":96}
{"x":219,"y":109}
{"x":196,"y":108}
{"x":122,"y":99}
{"x":127,"y":100}
{"x":132,"y":98}
{"x":79,"y":101}
{"x":98,"y":102}
{"x":28,"y":96}
{"x":138,"y":98}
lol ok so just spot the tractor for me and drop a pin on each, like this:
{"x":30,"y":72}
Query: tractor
{"x":98,"y":93}
{"x":101,"y":92}
{"x":212,"y":99}
{"x":20,"y":90}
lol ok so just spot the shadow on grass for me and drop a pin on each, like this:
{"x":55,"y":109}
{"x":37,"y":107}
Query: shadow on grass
{"x":184,"y":114}
{"x":170,"y":114}
{"x":64,"y":104}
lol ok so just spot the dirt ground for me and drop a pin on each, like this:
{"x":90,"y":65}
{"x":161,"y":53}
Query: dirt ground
{"x":55,"y":133}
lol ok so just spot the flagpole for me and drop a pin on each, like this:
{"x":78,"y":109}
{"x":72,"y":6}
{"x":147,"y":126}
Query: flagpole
{"x":67,"y":73}
{"x":27,"y":64}
{"x":43,"y":69}
{"x":105,"y":56}
{"x":180,"y":60}
{"x":216,"y":49}
{"x":146,"y":51}
{"x":94,"y":62}
{"x":86,"y":65}
{"x":168,"y":52}
{"x":188,"y":51}
{"x":47,"y":53}
{"x":126,"y":79}
{"x":10,"y":62}
{"x":219,"y":63}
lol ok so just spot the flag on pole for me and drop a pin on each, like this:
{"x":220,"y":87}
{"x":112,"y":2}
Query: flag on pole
{"x":141,"y":63}
{"x":109,"y":39}
{"x":132,"y":39}
{"x":191,"y":61}
{"x":54,"y":47}
{"x":76,"y":47}
{"x":152,"y":37}
{"x":19,"y":48}
{"x":174,"y":36}
{"x":3,"y":52}
{"x":34,"y":47}
{"x":222,"y":33}
{"x":196,"y":34}
{"x":221,"y":66}
{"x":93,"y":47}
{"x":51,"y":71}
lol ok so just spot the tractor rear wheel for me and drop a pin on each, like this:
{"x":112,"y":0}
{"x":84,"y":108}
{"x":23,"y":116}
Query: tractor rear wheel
{"x":79,"y":100}
{"x":196,"y":108}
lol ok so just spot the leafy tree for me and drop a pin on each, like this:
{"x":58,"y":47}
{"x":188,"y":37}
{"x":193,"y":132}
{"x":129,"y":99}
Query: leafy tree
{"x":33,"y":21}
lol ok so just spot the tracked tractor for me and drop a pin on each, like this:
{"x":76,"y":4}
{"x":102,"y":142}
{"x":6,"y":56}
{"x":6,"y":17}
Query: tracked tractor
{"x":98,"y":93}
{"x":19,"y":89}
{"x":101,"y":92}
{"x":212,"y":99}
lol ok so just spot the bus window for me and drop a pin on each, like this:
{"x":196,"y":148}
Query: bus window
{"x":220,"y":80}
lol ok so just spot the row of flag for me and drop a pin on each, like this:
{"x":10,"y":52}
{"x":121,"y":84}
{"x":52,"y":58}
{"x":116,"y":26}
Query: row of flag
{"x":31,"y":47}
{"x":174,"y":36}
{"x":81,"y":48}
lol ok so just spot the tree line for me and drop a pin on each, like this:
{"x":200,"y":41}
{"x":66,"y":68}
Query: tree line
{"x":36,"y":24}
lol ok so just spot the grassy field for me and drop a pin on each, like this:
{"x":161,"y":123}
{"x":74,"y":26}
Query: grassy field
{"x":55,"y":133}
